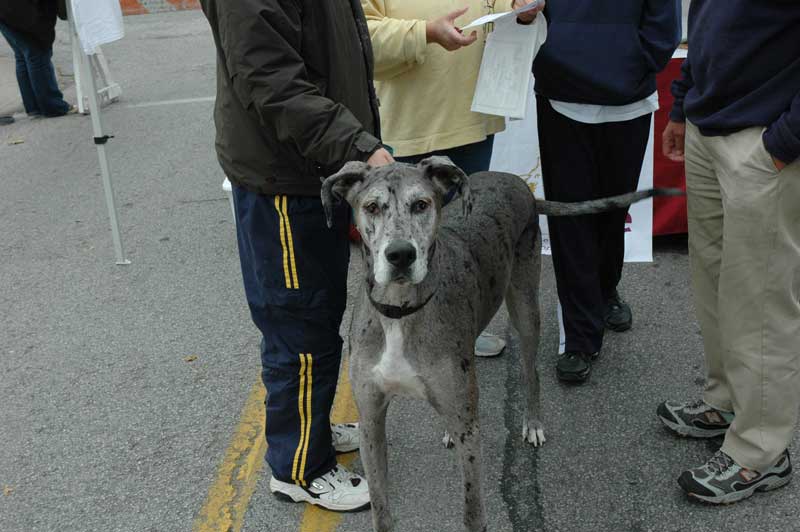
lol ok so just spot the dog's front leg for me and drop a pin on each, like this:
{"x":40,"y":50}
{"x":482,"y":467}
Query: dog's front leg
{"x":372,"y":404}
{"x":459,"y":407}
{"x":468,"y":447}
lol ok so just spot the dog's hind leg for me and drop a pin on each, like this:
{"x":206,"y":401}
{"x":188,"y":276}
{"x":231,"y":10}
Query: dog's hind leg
{"x":372,"y":405}
{"x":522,"y":301}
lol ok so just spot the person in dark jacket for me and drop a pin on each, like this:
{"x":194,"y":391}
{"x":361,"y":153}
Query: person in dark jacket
{"x":295,"y":102}
{"x":29,"y":27}
{"x":596,"y":93}
{"x":736,"y":124}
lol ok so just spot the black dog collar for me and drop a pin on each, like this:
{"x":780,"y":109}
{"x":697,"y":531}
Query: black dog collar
{"x":394,"y":312}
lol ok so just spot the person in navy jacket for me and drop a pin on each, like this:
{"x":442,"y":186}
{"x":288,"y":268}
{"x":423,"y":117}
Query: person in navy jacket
{"x":736,"y":123}
{"x":596,"y":94}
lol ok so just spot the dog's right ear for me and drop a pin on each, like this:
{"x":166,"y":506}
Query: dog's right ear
{"x":342,"y":186}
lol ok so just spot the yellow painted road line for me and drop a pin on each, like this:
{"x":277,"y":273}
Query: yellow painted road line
{"x":344,"y":410}
{"x":229,"y":495}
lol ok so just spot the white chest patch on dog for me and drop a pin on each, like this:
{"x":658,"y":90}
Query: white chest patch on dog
{"x":393,"y":373}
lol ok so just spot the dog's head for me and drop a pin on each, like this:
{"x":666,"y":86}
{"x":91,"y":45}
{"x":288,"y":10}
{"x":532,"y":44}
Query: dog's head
{"x":397,"y":211}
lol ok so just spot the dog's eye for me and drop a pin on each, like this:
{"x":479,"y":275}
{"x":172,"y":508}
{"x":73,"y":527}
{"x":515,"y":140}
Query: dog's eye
{"x":372,"y":208}
{"x":420,"y":206}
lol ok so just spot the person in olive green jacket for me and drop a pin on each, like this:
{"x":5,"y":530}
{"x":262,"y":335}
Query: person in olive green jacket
{"x":295,"y":102}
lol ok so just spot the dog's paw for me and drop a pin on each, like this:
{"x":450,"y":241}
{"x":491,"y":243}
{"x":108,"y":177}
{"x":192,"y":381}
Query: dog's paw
{"x":533,"y":433}
{"x":447,"y":441}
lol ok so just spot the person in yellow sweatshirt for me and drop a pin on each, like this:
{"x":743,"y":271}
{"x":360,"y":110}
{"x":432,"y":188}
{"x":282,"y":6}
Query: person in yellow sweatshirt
{"x":426,"y":70}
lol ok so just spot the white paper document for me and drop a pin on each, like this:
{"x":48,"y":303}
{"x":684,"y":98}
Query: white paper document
{"x":505,"y":73}
{"x":97,"y":22}
{"x":496,"y":16}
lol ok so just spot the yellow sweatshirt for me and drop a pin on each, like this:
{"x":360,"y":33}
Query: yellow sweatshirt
{"x":425,"y":91}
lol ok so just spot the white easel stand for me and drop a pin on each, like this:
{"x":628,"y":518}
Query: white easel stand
{"x":109,"y":91}
{"x":86,"y":71}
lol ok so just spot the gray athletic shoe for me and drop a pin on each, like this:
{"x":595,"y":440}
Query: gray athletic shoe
{"x":346,"y":437}
{"x":697,"y":419}
{"x":722,"y":481}
{"x":489,"y":345}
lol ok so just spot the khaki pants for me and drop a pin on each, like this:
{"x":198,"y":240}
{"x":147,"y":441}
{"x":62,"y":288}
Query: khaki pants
{"x":744,"y":247}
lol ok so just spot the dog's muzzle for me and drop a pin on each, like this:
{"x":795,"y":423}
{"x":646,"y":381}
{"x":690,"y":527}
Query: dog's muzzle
{"x":401,"y":254}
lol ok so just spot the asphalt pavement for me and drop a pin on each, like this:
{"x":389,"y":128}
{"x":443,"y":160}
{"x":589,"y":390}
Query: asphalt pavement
{"x":121,"y":387}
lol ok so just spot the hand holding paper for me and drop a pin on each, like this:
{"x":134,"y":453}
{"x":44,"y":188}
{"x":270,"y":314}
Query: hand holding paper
{"x":527,"y":9}
{"x":443,"y":32}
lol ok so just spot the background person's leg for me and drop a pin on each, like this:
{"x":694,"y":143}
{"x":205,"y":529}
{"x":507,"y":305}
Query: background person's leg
{"x":473,"y":158}
{"x":623,"y":145}
{"x":705,"y":215}
{"x":23,"y":80}
{"x":42,"y":76}
{"x":759,"y":297}
{"x":570,"y":174}
{"x":295,"y":274}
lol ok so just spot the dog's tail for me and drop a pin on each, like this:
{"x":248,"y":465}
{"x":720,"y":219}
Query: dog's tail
{"x":557,"y":208}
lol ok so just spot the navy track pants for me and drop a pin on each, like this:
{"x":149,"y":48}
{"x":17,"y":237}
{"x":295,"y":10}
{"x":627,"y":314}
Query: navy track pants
{"x":294,"y":270}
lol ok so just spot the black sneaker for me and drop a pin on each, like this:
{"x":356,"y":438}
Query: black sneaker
{"x":722,"y":481}
{"x":618,"y":316}
{"x":574,"y":366}
{"x":6,"y":120}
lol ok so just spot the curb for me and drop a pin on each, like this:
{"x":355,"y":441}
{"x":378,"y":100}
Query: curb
{"x":143,"y":7}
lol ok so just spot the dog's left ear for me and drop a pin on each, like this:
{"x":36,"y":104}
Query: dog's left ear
{"x":342,"y":186}
{"x":446,"y":176}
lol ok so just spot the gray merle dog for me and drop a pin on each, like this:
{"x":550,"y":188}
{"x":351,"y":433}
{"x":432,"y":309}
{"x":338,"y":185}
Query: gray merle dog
{"x":434,"y":278}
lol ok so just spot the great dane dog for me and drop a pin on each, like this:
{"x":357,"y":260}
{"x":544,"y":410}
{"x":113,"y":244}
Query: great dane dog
{"x":434,"y":278}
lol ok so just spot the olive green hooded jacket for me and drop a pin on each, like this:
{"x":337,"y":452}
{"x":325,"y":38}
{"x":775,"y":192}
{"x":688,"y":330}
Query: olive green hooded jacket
{"x":295,"y":99}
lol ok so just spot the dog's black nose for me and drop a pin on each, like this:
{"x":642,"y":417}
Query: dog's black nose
{"x":401,"y":254}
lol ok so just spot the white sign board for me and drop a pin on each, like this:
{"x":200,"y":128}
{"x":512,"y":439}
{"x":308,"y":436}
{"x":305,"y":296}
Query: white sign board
{"x":97,"y":22}
{"x":516,"y":151}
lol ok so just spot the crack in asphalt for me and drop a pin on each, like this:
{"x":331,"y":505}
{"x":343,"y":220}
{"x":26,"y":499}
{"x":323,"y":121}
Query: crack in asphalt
{"x":520,"y":460}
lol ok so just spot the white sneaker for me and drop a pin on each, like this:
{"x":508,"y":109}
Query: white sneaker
{"x":346,"y":437}
{"x":489,"y":345}
{"x":338,"y":490}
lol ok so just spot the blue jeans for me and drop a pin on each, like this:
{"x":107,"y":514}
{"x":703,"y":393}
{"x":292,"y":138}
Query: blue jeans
{"x":35,"y":75}
{"x":470,"y":158}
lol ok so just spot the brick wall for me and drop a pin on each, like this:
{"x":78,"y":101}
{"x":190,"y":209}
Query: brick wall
{"x":139,"y":7}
